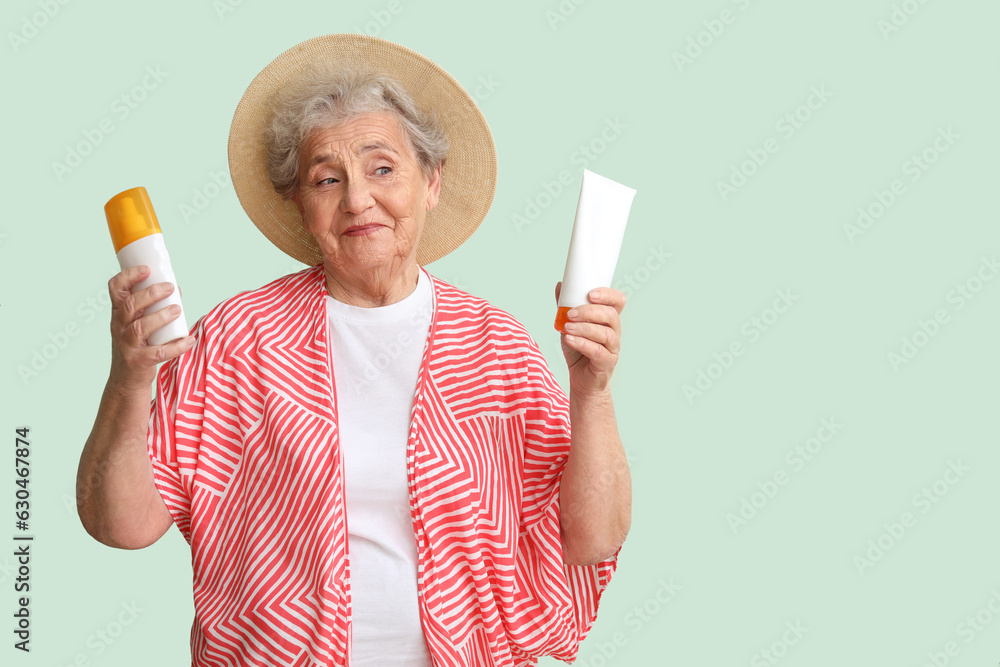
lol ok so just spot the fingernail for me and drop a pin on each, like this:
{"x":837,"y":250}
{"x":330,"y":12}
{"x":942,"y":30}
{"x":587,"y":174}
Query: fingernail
{"x":573,"y":313}
{"x":595,"y":294}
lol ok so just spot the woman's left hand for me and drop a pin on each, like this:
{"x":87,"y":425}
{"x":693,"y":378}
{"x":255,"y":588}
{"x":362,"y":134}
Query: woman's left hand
{"x":592,"y":340}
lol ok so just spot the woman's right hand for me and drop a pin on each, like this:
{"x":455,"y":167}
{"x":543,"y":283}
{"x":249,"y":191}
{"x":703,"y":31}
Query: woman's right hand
{"x":133,"y":360}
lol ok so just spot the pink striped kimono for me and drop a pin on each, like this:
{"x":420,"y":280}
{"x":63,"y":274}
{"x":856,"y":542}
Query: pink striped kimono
{"x":243,"y":441}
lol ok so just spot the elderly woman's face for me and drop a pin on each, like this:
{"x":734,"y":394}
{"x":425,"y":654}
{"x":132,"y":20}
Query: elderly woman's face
{"x":362,"y":194}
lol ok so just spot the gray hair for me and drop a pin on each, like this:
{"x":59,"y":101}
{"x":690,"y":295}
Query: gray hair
{"x":326,"y":96}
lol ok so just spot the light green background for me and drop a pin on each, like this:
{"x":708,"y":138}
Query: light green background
{"x":685,"y":127}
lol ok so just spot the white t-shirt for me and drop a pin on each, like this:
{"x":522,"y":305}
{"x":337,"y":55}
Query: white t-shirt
{"x":377,"y":354}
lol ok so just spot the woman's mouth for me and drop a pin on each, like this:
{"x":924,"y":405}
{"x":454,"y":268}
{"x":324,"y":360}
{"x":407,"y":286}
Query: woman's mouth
{"x":362,"y":230}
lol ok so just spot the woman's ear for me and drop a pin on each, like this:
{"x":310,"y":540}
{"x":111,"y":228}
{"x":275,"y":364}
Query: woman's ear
{"x":434,"y":189}
{"x":298,"y":204}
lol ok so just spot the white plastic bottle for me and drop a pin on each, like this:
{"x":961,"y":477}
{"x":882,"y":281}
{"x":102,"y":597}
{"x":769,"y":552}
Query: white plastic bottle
{"x":598,"y":230}
{"x":136,"y":235}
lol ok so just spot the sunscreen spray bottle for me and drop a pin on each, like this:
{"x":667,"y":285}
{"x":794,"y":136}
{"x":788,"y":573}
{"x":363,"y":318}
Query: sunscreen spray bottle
{"x":138,"y":240}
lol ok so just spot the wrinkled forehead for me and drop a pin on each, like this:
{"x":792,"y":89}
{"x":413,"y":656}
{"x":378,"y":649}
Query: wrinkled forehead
{"x":354,"y":138}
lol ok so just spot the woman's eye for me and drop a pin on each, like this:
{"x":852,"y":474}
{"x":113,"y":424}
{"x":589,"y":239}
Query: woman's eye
{"x":330,"y":180}
{"x":380,"y":171}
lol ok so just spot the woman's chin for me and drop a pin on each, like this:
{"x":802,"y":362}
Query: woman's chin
{"x":364,"y":259}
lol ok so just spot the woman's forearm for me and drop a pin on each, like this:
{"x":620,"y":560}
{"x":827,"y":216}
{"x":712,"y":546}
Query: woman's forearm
{"x":116,"y":498}
{"x":596,"y":488}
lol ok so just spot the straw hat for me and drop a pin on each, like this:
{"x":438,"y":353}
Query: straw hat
{"x":468,"y":178}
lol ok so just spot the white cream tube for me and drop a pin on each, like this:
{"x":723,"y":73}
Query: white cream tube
{"x":598,"y":230}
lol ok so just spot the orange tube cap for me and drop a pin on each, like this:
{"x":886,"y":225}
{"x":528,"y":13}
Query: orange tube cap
{"x":562,"y":318}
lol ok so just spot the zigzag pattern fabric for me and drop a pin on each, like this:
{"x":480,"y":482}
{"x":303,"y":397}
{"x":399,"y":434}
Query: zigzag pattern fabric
{"x":244,"y":444}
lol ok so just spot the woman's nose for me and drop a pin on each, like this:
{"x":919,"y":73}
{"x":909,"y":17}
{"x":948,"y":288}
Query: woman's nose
{"x":357,"y":196}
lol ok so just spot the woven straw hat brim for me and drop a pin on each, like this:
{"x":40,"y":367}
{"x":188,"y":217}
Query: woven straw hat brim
{"x":469,"y":174}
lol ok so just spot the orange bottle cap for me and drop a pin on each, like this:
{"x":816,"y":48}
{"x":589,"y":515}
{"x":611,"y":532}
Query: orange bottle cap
{"x":130,"y":217}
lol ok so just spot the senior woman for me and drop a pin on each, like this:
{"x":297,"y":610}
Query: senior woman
{"x":371,"y":466}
